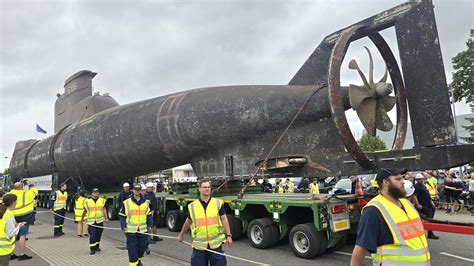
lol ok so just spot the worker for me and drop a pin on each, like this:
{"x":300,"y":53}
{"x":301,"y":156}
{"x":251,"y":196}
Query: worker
{"x":125,"y":194}
{"x":431,"y":186}
{"x":135,"y":218}
{"x":279,"y":187}
{"x":33,"y":188}
{"x":209,"y":222}
{"x":24,"y":213}
{"x":79,"y":212}
{"x":150,"y":195}
{"x":94,"y":210}
{"x":8,"y":229}
{"x":390,"y":227}
{"x":58,"y":204}
{"x":290,"y":187}
{"x":266,"y":186}
{"x":424,"y":198}
{"x":314,"y":187}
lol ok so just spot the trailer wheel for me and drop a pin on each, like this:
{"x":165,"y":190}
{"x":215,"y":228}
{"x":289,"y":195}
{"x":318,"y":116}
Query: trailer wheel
{"x":261,"y":233}
{"x":174,"y":220}
{"x":112,"y":212}
{"x":235,"y":226}
{"x":306,"y":242}
{"x":339,"y":245}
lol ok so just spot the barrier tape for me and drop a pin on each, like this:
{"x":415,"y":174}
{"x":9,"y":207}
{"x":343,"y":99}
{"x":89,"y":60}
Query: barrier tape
{"x":162,"y":236}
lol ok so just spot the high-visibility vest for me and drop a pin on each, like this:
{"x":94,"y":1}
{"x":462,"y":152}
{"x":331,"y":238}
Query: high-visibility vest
{"x":431,"y":188}
{"x":280,"y":189}
{"x":95,"y":210}
{"x":314,"y":188}
{"x":79,"y":208}
{"x":136,"y":215}
{"x":36,"y":192}
{"x":291,"y":187}
{"x":206,"y":228}
{"x":373,"y":182}
{"x":60,"y":202}
{"x":24,"y":202}
{"x":409,"y":241}
{"x":7,"y":244}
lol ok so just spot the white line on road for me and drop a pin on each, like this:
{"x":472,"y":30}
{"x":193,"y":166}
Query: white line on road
{"x":349,"y":254}
{"x":455,"y":256}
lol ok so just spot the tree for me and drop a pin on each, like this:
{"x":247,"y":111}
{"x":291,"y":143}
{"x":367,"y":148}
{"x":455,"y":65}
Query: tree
{"x":371,"y":143}
{"x":462,"y":86}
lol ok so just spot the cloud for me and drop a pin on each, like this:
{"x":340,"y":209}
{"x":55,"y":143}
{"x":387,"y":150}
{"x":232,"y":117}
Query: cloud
{"x":144,"y":49}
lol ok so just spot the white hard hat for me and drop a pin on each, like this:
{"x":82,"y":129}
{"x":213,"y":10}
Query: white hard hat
{"x":143,"y":187}
{"x":409,"y":188}
{"x":150,"y":184}
{"x":126,"y":184}
{"x":419,"y":176}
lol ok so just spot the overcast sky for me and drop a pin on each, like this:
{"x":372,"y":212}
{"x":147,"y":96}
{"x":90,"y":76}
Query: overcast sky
{"x":145,"y":49}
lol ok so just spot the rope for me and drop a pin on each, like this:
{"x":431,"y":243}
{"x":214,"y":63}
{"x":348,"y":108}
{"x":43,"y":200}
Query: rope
{"x":162,"y":236}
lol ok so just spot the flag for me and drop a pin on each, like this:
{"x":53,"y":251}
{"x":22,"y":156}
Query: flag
{"x":40,"y":130}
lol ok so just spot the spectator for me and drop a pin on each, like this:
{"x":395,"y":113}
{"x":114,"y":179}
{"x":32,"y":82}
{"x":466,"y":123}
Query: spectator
{"x":7,"y":221}
{"x":450,"y":190}
{"x":424,"y":199}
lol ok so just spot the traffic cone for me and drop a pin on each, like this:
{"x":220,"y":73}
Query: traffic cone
{"x":358,"y":190}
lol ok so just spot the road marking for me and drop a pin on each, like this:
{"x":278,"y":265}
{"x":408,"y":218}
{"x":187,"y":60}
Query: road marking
{"x":455,"y":256}
{"x":349,"y":254}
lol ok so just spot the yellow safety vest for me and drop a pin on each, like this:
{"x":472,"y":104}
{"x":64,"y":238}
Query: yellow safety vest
{"x":431,"y":188}
{"x":291,"y":187}
{"x":373,"y":182}
{"x":60,"y":202}
{"x":24,"y":202}
{"x":207,"y":226}
{"x":79,"y":208}
{"x":95,"y":210}
{"x":314,"y":188}
{"x":136,"y":215}
{"x":409,"y":241}
{"x":280,"y":189}
{"x":36,"y":192}
{"x":7,"y":245}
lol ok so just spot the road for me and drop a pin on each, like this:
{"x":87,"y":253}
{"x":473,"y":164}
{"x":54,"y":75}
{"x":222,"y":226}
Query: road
{"x":442,"y":250}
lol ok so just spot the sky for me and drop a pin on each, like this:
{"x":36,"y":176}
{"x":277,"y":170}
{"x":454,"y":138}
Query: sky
{"x":144,"y":49}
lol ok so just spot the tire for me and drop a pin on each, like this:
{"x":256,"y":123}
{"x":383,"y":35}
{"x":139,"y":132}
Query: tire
{"x":339,"y":245}
{"x":235,"y":226}
{"x":174,"y":220}
{"x":262,"y":233}
{"x":112,"y":212}
{"x":306,"y":242}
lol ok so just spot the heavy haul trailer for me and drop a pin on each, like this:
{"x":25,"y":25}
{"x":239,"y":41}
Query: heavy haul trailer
{"x":312,"y":225}
{"x":231,"y":133}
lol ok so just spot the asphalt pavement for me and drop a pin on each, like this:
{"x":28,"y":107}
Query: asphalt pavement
{"x":450,"y":249}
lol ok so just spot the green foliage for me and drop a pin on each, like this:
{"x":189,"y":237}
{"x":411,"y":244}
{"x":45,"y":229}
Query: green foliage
{"x":371,"y":143}
{"x":469,"y":128}
{"x":462,"y":86}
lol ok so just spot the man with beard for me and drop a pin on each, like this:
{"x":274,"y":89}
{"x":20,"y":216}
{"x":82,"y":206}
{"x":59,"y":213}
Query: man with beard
{"x":390,"y":228}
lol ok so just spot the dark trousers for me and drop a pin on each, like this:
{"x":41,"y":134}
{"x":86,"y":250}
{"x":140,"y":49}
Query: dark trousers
{"x":95,"y":234}
{"x":59,"y":221}
{"x":203,"y":257}
{"x":136,"y":246}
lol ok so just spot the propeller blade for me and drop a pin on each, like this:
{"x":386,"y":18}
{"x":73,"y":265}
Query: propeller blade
{"x":371,"y":66}
{"x":357,"y":94}
{"x":353,"y":65}
{"x":388,"y":102}
{"x":384,"y":78}
{"x":366,"y":112}
{"x":383,"y":122}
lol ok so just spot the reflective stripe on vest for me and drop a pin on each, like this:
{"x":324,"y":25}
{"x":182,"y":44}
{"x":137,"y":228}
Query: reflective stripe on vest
{"x":313,"y":188}
{"x":136,"y":215}
{"x":7,"y":245}
{"x":24,"y":202}
{"x":60,"y":202}
{"x":94,"y":209}
{"x":410,"y":245}
{"x":79,"y":208}
{"x":207,"y":226}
